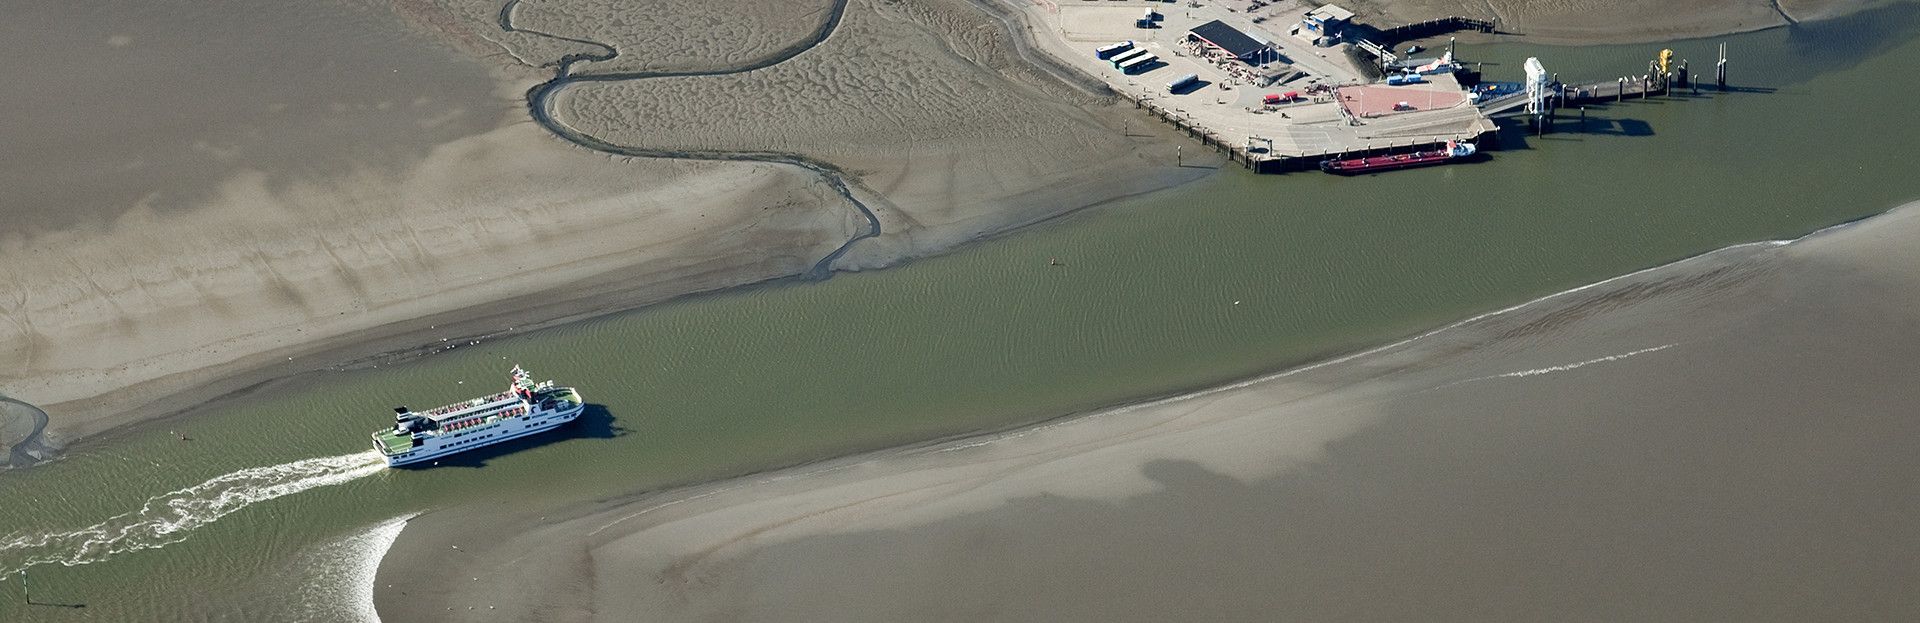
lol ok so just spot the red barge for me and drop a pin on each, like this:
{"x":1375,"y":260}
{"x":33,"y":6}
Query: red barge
{"x":1355,"y":166}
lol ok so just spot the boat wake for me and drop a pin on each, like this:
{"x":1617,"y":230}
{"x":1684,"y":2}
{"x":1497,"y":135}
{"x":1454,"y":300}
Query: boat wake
{"x":168,"y":518}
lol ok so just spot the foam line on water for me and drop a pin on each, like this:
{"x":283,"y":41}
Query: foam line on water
{"x":1566,"y":366}
{"x":169,"y":517}
{"x":373,"y":547}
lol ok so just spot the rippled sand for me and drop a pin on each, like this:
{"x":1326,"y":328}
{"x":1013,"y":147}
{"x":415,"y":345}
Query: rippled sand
{"x":926,"y":103}
{"x":182,"y":224}
{"x":178,"y":232}
{"x":1731,"y":437}
{"x":678,"y":35}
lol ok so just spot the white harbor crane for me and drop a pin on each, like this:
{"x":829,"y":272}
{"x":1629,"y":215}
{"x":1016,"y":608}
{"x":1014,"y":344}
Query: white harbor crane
{"x":1537,"y":79}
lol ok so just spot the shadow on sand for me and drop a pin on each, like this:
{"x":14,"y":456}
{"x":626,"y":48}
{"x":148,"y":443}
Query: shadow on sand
{"x":596,"y":422}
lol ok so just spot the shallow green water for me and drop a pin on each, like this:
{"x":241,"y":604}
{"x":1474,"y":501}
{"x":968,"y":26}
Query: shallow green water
{"x":1221,"y":279}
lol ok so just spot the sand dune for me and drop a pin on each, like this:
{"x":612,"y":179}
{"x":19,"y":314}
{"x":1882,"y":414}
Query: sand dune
{"x":1683,"y":443}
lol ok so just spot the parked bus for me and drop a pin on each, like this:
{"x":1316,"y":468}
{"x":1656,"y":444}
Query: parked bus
{"x":1183,"y":82}
{"x":1109,"y":51}
{"x":1129,"y":55}
{"x":1139,"y":64}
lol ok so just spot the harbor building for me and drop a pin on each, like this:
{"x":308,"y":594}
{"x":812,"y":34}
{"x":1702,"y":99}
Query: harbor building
{"x":1217,"y":41}
{"x":1322,"y":26}
{"x":1242,"y":56}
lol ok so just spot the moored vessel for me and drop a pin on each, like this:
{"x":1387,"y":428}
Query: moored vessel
{"x":1454,"y":150}
{"x":525,"y":408}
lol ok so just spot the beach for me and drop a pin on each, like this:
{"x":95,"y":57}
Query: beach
{"x":1684,"y":442}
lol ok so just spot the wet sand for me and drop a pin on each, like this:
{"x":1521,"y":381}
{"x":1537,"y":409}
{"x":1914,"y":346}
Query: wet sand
{"x":156,"y":303}
{"x":257,"y":226}
{"x":927,"y":104}
{"x":678,"y":35}
{"x":1730,"y":437}
{"x":178,"y":233}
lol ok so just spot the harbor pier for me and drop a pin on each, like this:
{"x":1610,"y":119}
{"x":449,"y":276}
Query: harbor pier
{"x":1276,"y":90}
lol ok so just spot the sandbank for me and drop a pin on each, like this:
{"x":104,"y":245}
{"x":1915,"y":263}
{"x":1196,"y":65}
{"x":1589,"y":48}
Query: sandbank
{"x":1683,"y":442}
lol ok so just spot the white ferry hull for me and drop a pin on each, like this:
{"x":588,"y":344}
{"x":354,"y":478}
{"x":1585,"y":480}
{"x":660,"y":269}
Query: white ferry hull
{"x":508,"y":429}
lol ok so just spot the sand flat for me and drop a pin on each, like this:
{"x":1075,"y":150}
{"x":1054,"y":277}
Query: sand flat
{"x":284,"y":270}
{"x":146,"y":171}
{"x":1682,"y":443}
{"x":927,"y":104}
{"x":678,"y":35}
{"x":405,"y":210}
{"x":173,"y":236}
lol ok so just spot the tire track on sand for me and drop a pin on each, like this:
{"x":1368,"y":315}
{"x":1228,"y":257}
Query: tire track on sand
{"x":540,"y":105}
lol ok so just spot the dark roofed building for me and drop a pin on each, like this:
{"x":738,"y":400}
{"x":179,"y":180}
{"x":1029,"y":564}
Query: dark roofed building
{"x":1219,"y":35}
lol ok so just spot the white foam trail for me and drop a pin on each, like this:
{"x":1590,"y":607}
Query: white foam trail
{"x":1565,"y":367}
{"x":169,"y":517}
{"x":367,"y":550}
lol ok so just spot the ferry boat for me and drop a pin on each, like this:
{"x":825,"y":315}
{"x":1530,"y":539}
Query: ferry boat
{"x":523,"y":409}
{"x":1353,"y":166}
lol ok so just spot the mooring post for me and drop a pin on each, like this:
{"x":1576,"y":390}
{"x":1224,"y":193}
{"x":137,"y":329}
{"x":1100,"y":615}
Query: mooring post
{"x":1720,"y":69}
{"x":1177,"y":160}
{"x":1583,"y":118}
